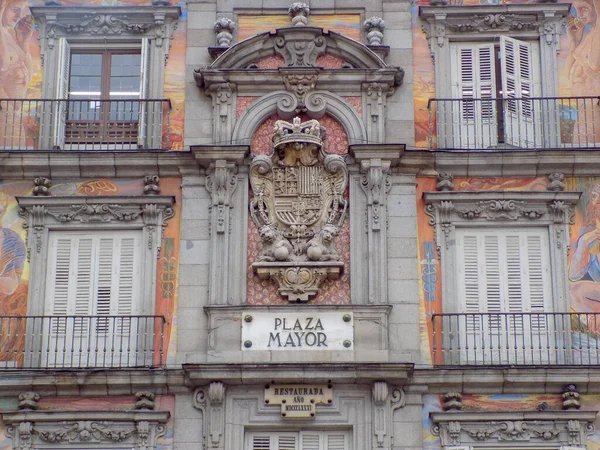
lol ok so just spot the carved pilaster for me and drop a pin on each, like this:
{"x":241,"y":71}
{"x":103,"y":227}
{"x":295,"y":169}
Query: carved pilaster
{"x":221,"y":182}
{"x":376,"y":183}
{"x":223,"y":98}
{"x":375,"y":98}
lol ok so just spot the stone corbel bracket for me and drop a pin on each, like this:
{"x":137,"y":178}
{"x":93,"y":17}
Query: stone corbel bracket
{"x":530,"y":428}
{"x":72,"y":429}
{"x":210,"y":400}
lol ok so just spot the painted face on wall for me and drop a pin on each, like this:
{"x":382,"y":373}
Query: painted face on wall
{"x":14,"y":11}
{"x":585,"y":11}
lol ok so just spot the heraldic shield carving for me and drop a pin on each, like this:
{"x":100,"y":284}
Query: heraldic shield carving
{"x":299,"y":207}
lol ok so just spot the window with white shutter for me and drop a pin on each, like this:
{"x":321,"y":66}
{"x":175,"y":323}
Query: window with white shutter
{"x":303,"y":440}
{"x":92,"y":286}
{"x":491,"y":113}
{"x":504,"y":287}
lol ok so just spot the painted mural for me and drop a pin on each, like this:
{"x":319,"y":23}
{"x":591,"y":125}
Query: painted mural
{"x":579,"y":70}
{"x":346,"y":24}
{"x":21,"y":70}
{"x":14,"y":268}
{"x":504,"y":402}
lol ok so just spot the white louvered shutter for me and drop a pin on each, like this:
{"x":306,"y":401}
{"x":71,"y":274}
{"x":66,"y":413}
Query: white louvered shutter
{"x":61,"y":108}
{"x":304,"y":440}
{"x":145,"y":113}
{"x":90,"y":275}
{"x":474,"y":83}
{"x":503,"y":275}
{"x":520,"y":80}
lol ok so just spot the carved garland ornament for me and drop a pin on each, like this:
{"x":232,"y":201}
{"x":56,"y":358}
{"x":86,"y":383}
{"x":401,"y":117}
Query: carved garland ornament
{"x":299,"y":207}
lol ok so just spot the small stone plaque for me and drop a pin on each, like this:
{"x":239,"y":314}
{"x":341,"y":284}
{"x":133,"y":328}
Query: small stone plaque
{"x":298,"y":400}
{"x":319,"y":330}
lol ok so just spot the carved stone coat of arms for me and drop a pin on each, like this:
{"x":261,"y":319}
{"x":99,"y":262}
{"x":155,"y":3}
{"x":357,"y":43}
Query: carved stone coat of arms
{"x":299,"y":207}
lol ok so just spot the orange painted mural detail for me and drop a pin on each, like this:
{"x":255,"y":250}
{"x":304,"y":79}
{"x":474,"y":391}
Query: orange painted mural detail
{"x":97,"y":187}
{"x":346,"y":24}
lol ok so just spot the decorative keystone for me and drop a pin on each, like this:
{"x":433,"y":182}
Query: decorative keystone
{"x":445,"y":182}
{"x":556,"y":182}
{"x":42,"y":186}
{"x":29,"y":400}
{"x":224,"y":28}
{"x":571,"y":398}
{"x":145,"y":400}
{"x":374,"y":27}
{"x":151,"y":185}
{"x":452,"y":401}
{"x":299,"y":12}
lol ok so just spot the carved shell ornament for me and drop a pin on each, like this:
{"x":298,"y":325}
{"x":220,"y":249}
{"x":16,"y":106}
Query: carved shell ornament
{"x":298,"y":206}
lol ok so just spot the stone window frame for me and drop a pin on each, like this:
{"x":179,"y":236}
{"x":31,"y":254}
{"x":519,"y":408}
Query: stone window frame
{"x":500,"y":209}
{"x":74,"y":430}
{"x":444,"y":25}
{"x":552,"y":430}
{"x":43,"y":215}
{"x":113,"y":27}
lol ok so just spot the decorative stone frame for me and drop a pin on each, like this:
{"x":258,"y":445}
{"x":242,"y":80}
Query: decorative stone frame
{"x":74,"y":430}
{"x":513,"y":430}
{"x":483,"y":23}
{"x":367,"y":409}
{"x":451,"y":210}
{"x":108,"y":26}
{"x":541,"y":22}
{"x":108,"y":213}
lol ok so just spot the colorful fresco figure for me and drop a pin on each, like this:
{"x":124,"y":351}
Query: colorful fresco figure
{"x":583,"y":67}
{"x":12,"y":291}
{"x":584,"y":267}
{"x":16,"y":29}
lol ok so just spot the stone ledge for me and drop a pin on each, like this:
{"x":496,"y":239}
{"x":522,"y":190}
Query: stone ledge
{"x":507,"y":380}
{"x":352,"y":373}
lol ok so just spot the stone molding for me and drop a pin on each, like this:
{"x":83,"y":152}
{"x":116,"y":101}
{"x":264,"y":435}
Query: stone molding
{"x":71,"y":429}
{"x":550,"y":429}
{"x":283,"y":103}
{"x":452,"y":209}
{"x":210,"y":400}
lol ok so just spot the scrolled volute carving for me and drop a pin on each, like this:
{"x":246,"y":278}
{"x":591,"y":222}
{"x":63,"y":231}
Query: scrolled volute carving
{"x":299,"y":207}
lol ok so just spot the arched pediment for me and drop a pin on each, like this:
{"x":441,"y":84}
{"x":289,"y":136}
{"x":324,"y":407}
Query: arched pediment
{"x":300,"y":47}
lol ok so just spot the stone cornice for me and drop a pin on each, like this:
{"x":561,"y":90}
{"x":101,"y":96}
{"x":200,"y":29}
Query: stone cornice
{"x":388,"y":152}
{"x":505,"y":380}
{"x":526,"y":163}
{"x":41,"y":416}
{"x":537,"y":10}
{"x":207,"y":154}
{"x":72,"y":164}
{"x":393,"y":373}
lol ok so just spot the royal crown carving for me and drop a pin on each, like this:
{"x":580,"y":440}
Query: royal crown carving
{"x":299,"y":207}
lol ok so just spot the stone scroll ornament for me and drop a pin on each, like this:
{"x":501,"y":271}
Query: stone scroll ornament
{"x":298,"y":207}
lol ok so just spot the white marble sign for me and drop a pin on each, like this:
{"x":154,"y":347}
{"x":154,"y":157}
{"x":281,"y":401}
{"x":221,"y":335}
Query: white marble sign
{"x":317,"y":330}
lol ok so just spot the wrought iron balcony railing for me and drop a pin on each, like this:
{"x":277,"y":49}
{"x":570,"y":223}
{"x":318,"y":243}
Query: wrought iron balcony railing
{"x":65,"y":342}
{"x":504,"y":123}
{"x":519,"y":339}
{"x":88,"y":124}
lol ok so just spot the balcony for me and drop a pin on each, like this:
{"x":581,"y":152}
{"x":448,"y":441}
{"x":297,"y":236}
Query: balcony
{"x":514,"y":123}
{"x":516,"y":339}
{"x":84,"y":124}
{"x":74,"y":342}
